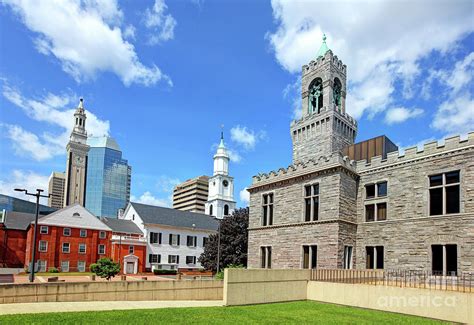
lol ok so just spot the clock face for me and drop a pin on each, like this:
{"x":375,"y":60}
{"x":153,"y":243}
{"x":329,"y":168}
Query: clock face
{"x":225,"y":183}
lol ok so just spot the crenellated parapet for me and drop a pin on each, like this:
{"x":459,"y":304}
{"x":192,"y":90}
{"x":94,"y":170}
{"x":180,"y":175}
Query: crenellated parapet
{"x":412,"y":154}
{"x":320,"y":61}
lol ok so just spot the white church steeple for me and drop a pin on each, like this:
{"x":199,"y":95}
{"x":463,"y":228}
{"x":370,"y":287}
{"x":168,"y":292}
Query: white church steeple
{"x":220,"y":202}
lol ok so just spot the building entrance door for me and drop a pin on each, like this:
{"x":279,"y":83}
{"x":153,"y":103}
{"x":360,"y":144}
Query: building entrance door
{"x":130,"y":268}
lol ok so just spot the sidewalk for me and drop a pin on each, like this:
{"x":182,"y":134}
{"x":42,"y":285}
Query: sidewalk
{"x":52,"y":307}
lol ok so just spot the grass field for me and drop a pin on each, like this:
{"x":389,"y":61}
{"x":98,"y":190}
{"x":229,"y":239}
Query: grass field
{"x":302,"y":312}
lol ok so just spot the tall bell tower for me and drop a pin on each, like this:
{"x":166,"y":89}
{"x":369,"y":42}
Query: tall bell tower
{"x":220,"y":202}
{"x":76,"y":168}
{"x":325,"y":127}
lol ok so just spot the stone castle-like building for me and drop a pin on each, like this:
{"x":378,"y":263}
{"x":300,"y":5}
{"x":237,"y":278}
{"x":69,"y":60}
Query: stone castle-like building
{"x":389,"y":211}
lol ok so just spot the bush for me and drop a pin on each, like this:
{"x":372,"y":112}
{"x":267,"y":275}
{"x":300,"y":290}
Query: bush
{"x":53,"y":270}
{"x":164,"y":272}
{"x":105,"y":268}
{"x":220,"y":275}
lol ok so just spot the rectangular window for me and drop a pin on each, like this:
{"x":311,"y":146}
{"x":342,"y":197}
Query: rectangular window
{"x":266,"y":257}
{"x":382,"y":189}
{"x":348,"y":257}
{"x":376,"y":190}
{"x":173,"y":259}
{"x":267,"y":218}
{"x":374,"y":257}
{"x":370,"y":212}
{"x":131,"y":249}
{"x":66,"y":247}
{"x":190,"y":259}
{"x":65,"y":266}
{"x":102,"y":235}
{"x":444,"y":260}
{"x":174,"y":240}
{"x":101,"y":249}
{"x":41,"y":266}
{"x":43,"y":246}
{"x":444,"y":193}
{"x":44,"y":230}
{"x":155,"y":238}
{"x":83,"y":233}
{"x":154,"y":258}
{"x":67,"y":232}
{"x":81,"y":266}
{"x":191,"y":241}
{"x":369,"y":191}
{"x":381,"y":211}
{"x":205,"y":240}
{"x":82,"y":248}
{"x":310,"y":256}
{"x":311,"y":202}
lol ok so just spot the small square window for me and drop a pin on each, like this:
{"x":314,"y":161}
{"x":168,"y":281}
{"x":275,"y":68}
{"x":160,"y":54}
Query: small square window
{"x":452,"y":177}
{"x":436,"y":180}
{"x":44,"y":230}
{"x":370,"y":191}
{"x":67,"y":232}
{"x":82,"y":248}
{"x":83,"y":233}
{"x":66,"y":247}
{"x":102,"y":235}
{"x":382,"y":189}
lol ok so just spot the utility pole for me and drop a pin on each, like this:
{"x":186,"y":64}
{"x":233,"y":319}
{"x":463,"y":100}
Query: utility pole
{"x":35,"y":233}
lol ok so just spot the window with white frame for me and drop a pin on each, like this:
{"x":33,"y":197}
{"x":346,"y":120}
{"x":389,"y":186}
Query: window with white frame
{"x":267,"y":209}
{"x":43,"y":246}
{"x":44,"y":230}
{"x":41,"y":265}
{"x":66,"y":247}
{"x":64,"y":266}
{"x":101,"y":249}
{"x":191,"y":241}
{"x":82,"y":248}
{"x":174,"y":240}
{"x":190,"y":259}
{"x":67,"y":232}
{"x":310,"y":256}
{"x":81,"y":266}
{"x":131,"y":249}
{"x":444,"y":193}
{"x":154,"y":258}
{"x":102,"y":235}
{"x":348,"y":257}
{"x":155,"y":238}
{"x":266,"y":257}
{"x":83,"y":233}
{"x":173,"y":259}
{"x":311,"y":202}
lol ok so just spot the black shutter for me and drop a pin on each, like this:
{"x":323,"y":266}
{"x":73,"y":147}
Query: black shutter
{"x":178,"y":239}
{"x":159,"y":256}
{"x":151,"y":238}
{"x":177,"y":257}
{"x":159,"y":238}
{"x":171,"y":240}
{"x":149,"y":258}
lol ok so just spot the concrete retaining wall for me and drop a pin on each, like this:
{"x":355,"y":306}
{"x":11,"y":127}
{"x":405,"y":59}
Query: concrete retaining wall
{"x":245,"y":287}
{"x":445,"y":305}
{"x":112,"y":291}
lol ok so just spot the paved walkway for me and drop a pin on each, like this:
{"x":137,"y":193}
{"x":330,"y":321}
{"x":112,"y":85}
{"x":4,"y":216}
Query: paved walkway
{"x":51,"y":307}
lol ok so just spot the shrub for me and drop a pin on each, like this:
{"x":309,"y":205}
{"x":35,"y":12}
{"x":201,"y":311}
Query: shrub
{"x":164,"y":272}
{"x":220,"y":275}
{"x":105,"y":268}
{"x":53,"y":270}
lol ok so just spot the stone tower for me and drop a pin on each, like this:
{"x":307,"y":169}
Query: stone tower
{"x":220,"y":202}
{"x":324,"y":127}
{"x":76,"y":168}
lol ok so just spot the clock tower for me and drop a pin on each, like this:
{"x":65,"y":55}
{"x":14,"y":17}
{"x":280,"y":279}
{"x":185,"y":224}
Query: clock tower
{"x":220,"y":202}
{"x":76,"y":168}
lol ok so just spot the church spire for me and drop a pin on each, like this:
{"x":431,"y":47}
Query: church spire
{"x":324,"y":47}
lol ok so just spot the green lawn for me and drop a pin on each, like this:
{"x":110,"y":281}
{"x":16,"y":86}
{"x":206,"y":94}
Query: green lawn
{"x":301,"y":312}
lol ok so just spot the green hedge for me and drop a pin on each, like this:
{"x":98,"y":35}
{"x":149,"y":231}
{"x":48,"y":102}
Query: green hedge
{"x":163,"y":272}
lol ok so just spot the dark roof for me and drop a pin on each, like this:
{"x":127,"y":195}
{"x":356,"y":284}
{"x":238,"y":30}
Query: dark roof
{"x":172,"y":217}
{"x":18,"y":220}
{"x":122,"y":226}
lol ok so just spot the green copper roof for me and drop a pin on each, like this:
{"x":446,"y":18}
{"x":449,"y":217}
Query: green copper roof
{"x":324,"y":47}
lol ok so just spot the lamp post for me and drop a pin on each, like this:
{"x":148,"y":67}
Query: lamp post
{"x":35,"y":234}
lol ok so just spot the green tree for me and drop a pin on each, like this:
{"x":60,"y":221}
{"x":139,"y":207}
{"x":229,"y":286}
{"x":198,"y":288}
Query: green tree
{"x":234,"y":242}
{"x":105,"y":268}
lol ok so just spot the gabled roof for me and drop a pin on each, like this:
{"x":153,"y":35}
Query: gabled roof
{"x":122,"y":226}
{"x":74,"y":216}
{"x":170,"y":217}
{"x":18,"y":220}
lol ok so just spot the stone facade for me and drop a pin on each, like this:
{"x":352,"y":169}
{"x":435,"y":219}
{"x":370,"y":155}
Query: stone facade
{"x":408,"y":232}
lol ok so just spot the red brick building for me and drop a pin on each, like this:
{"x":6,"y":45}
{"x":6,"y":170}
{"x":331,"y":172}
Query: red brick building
{"x":70,"y":240}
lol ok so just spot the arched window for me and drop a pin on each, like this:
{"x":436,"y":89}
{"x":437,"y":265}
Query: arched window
{"x":315,"y":96}
{"x":336,"y":93}
{"x":226,"y":210}
{"x":210,"y":210}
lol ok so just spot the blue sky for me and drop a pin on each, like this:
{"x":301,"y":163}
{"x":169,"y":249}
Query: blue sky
{"x":162,"y":76}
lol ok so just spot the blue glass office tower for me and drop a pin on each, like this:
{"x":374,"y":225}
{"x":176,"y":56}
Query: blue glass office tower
{"x":108,"y":178}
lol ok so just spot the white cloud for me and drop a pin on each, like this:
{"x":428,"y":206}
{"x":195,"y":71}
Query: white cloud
{"x":166,"y":184}
{"x":244,"y":196}
{"x":401,"y":114}
{"x":377,"y":51}
{"x":246,"y":137}
{"x":234,"y":155}
{"x":86,"y":38}
{"x":28,"y":180}
{"x":148,"y":198}
{"x":49,"y":109}
{"x":292,"y":92}
{"x":161,"y":25}
{"x":129,"y":32}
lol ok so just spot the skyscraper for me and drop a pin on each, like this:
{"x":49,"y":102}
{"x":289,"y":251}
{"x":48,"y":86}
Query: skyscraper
{"x":56,"y":188}
{"x":108,"y":178}
{"x":191,"y":195}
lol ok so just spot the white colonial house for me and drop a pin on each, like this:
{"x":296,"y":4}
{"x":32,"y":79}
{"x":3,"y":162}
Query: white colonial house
{"x":175,"y":239}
